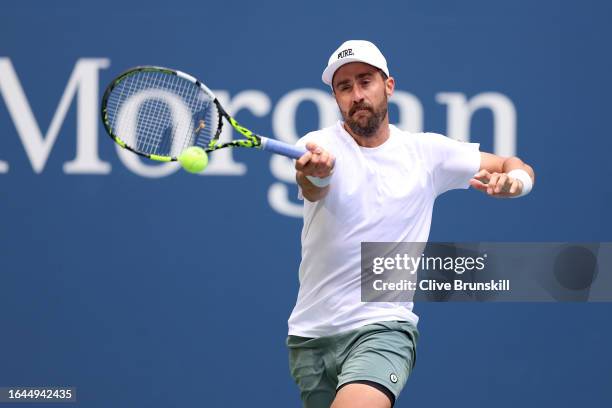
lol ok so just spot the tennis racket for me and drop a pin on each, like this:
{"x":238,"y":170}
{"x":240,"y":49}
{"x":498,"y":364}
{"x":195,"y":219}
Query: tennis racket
{"x":158,"y":112}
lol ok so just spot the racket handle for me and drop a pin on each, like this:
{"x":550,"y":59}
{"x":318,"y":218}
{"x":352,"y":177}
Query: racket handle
{"x":282,"y":148}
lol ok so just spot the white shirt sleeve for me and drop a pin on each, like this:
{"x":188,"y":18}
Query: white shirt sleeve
{"x":453,"y":163}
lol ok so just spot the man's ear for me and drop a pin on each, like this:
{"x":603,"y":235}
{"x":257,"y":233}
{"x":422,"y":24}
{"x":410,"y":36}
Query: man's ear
{"x":389,"y":86}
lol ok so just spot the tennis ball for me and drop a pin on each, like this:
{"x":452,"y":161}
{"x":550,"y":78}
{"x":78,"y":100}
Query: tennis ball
{"x":193,"y":159}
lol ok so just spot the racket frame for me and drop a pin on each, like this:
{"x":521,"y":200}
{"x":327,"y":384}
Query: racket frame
{"x":251,"y":140}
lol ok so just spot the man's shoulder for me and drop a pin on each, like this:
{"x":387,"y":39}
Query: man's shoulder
{"x":418,"y":137}
{"x":428,"y":140}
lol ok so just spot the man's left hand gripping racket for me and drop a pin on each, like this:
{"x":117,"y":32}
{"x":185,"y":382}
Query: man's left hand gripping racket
{"x":157,"y":113}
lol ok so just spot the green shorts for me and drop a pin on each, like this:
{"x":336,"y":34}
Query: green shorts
{"x":383,"y":353}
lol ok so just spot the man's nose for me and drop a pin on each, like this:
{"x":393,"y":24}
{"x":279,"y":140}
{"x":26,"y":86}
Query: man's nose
{"x":357,"y":94}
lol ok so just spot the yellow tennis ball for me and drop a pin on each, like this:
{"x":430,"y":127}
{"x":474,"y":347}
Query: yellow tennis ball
{"x":193,"y":159}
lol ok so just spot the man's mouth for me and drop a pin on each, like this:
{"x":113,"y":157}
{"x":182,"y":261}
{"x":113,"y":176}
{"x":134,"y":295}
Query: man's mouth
{"x":356,"y":111}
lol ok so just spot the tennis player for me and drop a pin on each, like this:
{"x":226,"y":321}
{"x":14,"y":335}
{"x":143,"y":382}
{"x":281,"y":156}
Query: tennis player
{"x":345,"y":353}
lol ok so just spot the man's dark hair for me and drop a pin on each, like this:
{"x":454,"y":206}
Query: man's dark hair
{"x":382,"y":74}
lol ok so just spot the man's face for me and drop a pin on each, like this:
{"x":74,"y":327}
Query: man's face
{"x":361,"y":94}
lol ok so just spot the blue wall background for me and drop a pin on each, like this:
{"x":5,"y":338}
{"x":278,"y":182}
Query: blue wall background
{"x":103,"y":284}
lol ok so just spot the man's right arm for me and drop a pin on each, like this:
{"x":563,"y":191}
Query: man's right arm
{"x":316,"y":162}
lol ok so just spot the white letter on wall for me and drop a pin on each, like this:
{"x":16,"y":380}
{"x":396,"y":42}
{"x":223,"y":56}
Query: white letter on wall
{"x":410,"y":111}
{"x":460,"y":111}
{"x":84,"y":81}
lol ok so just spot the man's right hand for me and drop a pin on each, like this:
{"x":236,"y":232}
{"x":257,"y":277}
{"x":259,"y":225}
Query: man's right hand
{"x":316,"y":162}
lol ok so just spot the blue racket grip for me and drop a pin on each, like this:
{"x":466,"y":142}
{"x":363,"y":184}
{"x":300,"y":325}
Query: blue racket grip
{"x":282,"y":148}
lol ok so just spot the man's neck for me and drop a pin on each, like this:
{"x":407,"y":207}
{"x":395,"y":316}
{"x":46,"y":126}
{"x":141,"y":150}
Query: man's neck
{"x":378,"y":138}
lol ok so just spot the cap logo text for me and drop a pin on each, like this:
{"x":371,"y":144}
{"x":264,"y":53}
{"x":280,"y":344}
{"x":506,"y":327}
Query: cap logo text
{"x":345,"y":53}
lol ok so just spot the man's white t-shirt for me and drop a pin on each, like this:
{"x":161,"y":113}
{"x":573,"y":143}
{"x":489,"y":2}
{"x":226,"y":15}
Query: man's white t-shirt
{"x":380,"y":194}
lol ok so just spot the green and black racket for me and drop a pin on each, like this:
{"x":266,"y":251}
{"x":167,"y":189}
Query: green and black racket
{"x":158,"y":113}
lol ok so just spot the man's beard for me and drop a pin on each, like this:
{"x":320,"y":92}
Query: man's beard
{"x":374,"y":120}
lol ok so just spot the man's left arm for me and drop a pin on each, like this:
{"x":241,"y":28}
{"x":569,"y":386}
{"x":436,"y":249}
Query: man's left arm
{"x":503,"y":177}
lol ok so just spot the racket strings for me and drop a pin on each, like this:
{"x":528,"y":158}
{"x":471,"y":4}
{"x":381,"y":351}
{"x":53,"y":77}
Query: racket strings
{"x":159,"y":113}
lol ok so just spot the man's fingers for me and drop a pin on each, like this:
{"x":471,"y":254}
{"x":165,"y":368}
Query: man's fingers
{"x":313,"y":165}
{"x":496,"y":184}
{"x":324,"y":157}
{"x":483,"y":180}
{"x":478,"y":185}
{"x":513,"y":187}
{"x":492,"y":183}
{"x":501,"y":184}
{"x":330,"y":162}
{"x":315,"y":159}
{"x":322,"y":162}
{"x":303,"y":161}
{"x":315,"y":162}
{"x":314,"y":148}
{"x":517,"y":185}
{"x":482,"y":174}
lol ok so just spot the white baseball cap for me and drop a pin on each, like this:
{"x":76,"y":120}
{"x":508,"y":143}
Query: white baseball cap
{"x":354,"y":51}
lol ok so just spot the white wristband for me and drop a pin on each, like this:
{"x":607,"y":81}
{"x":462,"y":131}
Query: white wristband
{"x":522,"y":175}
{"x":320,"y":182}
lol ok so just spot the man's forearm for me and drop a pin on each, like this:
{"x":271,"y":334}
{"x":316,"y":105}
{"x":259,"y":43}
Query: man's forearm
{"x":310,"y":191}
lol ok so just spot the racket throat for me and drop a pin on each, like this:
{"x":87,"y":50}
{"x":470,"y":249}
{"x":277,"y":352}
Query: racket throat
{"x":250,"y":136}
